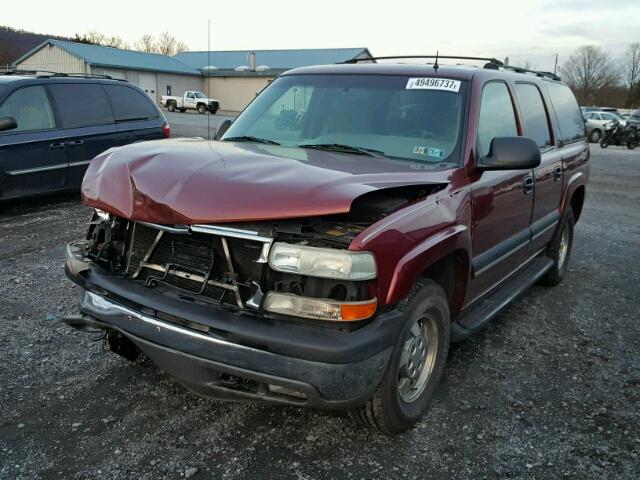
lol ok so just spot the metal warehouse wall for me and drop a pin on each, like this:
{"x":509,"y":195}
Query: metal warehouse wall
{"x":53,"y":59}
{"x":179,"y":84}
{"x":235,"y":93}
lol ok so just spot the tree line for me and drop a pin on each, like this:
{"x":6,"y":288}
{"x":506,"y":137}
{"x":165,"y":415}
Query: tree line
{"x":598,"y":78}
{"x":165,"y":43}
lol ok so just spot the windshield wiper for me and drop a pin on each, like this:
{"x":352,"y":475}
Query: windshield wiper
{"x":339,"y":147}
{"x":249,"y":138}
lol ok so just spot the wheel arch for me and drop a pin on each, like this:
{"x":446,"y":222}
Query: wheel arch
{"x":577,"y":202}
{"x":444,"y":258}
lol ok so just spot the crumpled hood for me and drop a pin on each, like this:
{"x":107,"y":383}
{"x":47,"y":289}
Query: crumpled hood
{"x":186,"y":181}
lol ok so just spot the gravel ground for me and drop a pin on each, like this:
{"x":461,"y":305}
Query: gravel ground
{"x":550,"y":390}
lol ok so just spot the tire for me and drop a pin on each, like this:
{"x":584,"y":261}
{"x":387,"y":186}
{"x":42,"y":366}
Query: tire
{"x":202,"y":108}
{"x":398,"y":403}
{"x":595,"y":135}
{"x":559,"y":250}
{"x":171,"y":107}
{"x":632,"y":143}
{"x":603,"y":143}
{"x":182,"y":110}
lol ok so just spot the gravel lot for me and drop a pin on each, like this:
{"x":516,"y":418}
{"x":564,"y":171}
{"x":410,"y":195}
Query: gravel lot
{"x":550,"y":390}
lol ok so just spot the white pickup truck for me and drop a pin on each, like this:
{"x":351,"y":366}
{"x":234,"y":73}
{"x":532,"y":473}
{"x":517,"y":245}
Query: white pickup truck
{"x":190,"y":100}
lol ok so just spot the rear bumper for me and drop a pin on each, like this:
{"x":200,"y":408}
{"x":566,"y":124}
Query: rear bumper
{"x":235,"y":356}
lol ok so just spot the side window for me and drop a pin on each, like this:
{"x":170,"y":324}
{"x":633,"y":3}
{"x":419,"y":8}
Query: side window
{"x":129,"y":104}
{"x":567,"y":111}
{"x":81,"y":104}
{"x":534,"y":115}
{"x":31,"y":109}
{"x":190,"y":95}
{"x":497,"y":118}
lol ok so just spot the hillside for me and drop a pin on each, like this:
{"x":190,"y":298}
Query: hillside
{"x":14,"y":43}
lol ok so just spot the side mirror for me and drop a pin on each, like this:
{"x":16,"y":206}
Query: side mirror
{"x":511,"y":153}
{"x":7,"y":123}
{"x":223,"y":129}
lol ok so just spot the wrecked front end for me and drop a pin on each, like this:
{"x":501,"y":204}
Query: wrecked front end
{"x":272,"y":310}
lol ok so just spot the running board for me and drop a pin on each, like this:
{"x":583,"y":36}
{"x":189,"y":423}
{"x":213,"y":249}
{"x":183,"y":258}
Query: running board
{"x":477,"y":317}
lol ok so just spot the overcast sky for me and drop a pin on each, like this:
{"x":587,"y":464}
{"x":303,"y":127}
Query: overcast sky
{"x":532,"y":30}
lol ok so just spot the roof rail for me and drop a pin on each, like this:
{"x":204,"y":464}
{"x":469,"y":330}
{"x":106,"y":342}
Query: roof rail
{"x":437,"y":57}
{"x":538,"y":73}
{"x":49,"y":74}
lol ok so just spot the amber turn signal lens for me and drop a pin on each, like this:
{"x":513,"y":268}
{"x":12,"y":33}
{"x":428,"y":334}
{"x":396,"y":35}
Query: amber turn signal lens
{"x":358,"y":311}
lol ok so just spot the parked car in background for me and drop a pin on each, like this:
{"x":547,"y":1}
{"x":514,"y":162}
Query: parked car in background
{"x":595,"y":122}
{"x":634,"y":119}
{"x":51,"y":127}
{"x":329,"y":262}
{"x":191,"y":100}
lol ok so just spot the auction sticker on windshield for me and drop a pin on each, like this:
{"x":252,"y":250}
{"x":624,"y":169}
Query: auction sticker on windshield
{"x":430,"y":83}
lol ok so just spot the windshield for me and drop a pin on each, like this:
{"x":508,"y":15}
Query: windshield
{"x":397,"y":116}
{"x":199,"y":95}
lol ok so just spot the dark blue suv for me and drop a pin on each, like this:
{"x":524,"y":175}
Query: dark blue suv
{"x":51,"y":126}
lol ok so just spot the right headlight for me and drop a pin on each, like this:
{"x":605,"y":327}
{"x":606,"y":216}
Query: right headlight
{"x":322,"y":262}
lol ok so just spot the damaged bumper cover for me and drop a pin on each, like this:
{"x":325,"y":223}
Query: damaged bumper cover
{"x":237,"y":356}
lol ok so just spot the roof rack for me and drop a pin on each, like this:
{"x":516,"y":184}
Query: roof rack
{"x":538,"y":73}
{"x":49,"y":74}
{"x":492,"y":63}
{"x":437,"y":57}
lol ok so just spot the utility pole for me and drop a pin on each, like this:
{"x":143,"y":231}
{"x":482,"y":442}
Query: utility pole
{"x":555,"y":65}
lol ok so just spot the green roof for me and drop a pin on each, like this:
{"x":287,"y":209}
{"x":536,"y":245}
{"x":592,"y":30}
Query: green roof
{"x":110,"y":57}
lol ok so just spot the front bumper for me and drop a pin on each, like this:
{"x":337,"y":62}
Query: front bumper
{"x":238,"y":356}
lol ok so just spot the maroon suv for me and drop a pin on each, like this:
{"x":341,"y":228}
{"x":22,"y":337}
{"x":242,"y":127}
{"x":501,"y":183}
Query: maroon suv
{"x":351,"y":223}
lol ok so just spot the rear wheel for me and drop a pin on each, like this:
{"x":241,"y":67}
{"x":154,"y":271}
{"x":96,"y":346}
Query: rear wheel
{"x":416,"y":364}
{"x":594,"y":136}
{"x":604,"y":143}
{"x":559,"y":250}
{"x":171,"y":107}
{"x":632,"y":143}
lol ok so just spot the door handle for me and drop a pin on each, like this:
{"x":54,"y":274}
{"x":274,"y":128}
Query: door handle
{"x":557,"y":173}
{"x":527,"y":184}
{"x":75,"y":143}
{"x":56,"y":146}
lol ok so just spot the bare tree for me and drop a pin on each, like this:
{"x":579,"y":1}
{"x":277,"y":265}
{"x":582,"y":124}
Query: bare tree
{"x":167,"y":44}
{"x":631,"y":69}
{"x":146,"y":44}
{"x":97,"y":38}
{"x":589,"y":71}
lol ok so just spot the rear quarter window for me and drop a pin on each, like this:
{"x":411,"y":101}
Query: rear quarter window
{"x":130,"y":104}
{"x":570,"y":121}
{"x":81,"y":105}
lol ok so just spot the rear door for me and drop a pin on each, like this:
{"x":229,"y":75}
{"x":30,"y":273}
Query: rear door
{"x":87,"y":118}
{"x":502,"y":200}
{"x":33,"y":158}
{"x":137,"y":117}
{"x":536,"y":123}
{"x":571,"y":134}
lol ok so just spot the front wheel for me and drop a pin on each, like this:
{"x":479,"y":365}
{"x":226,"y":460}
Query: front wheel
{"x":416,"y":364}
{"x":202,"y":108}
{"x":632,"y":143}
{"x":559,"y":250}
{"x":594,"y":136}
{"x":604,"y":143}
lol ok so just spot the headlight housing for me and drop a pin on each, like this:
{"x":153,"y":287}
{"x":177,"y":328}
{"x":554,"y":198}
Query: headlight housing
{"x":322,"y":262}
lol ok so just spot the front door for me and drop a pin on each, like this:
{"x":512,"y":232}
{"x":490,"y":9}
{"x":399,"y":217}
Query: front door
{"x":33,"y":156}
{"x":502,"y":200}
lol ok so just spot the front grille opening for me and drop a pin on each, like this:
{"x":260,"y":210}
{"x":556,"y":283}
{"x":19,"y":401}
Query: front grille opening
{"x":195,"y":265}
